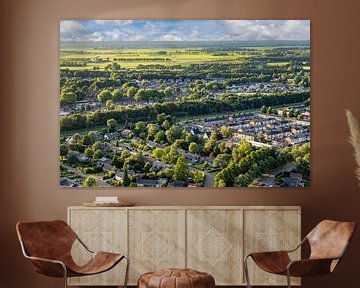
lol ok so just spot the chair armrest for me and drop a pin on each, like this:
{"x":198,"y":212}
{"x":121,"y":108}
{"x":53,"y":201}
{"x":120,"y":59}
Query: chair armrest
{"x":49,"y":267}
{"x":309,"y":267}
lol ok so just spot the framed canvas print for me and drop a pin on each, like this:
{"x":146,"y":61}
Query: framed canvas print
{"x":184,"y":103}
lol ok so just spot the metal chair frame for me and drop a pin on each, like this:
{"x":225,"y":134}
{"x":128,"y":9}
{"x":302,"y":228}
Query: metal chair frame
{"x":26,"y":255}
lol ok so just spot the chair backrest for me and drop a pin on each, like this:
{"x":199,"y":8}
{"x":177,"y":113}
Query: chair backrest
{"x":329,"y":239}
{"x":46,"y":239}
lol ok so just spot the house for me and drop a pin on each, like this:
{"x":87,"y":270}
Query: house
{"x":141,"y":182}
{"x":159,"y":165}
{"x":297,"y":176}
{"x":125,"y":133}
{"x":120,"y":175}
{"x":82,"y":158}
{"x":193,"y":158}
{"x":153,"y":144}
{"x":180,"y":184}
{"x":107,"y":167}
{"x":112,"y":136}
{"x":65,"y":182}
{"x":291,"y":182}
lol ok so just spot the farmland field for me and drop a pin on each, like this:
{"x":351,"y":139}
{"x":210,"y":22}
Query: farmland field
{"x":184,"y":113}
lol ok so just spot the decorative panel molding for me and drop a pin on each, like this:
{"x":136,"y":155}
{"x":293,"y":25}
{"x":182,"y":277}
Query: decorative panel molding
{"x":210,"y":239}
{"x":270,"y":230}
{"x":101,"y":230}
{"x":214,"y":241}
{"x":156,"y":240}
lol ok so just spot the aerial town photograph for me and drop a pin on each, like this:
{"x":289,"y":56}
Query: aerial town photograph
{"x":184,"y":103}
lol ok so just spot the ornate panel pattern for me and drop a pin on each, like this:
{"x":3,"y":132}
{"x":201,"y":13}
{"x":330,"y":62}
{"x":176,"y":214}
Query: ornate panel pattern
{"x":214,"y":242}
{"x":156,"y":240}
{"x":101,"y":230}
{"x":209,"y":239}
{"x":270,"y":230}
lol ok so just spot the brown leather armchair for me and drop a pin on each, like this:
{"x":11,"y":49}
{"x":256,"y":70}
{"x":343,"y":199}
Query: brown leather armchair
{"x":48,"y":245}
{"x":328,"y":242}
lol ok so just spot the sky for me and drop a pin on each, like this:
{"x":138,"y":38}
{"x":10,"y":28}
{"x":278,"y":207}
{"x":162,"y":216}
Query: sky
{"x":183,"y":30}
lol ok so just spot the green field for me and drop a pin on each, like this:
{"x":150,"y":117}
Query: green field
{"x":131,"y":58}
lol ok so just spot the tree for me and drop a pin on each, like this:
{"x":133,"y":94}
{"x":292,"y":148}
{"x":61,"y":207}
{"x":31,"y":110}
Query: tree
{"x":226,"y":132}
{"x":131,"y":91}
{"x":263,"y":109}
{"x":160,"y":118}
{"x":152,"y":130}
{"x":166,"y":124}
{"x":117,"y":95}
{"x":194,"y":147}
{"x":97,"y":154}
{"x":270,"y":110}
{"x":175,"y":132}
{"x":160,"y":137}
{"x":126,"y":178}
{"x":168,"y":91}
{"x":221,"y":160}
{"x":242,"y":180}
{"x":88,"y":152}
{"x":87,"y":140}
{"x":111,"y":123}
{"x":291,"y":112}
{"x":158,"y":153}
{"x":147,"y":167}
{"x":117,"y":162}
{"x":97,"y":145}
{"x":140,"y":95}
{"x":64,"y":150}
{"x":109,"y":103}
{"x":125,"y":154}
{"x":140,"y":126}
{"x":92,"y":135}
{"x":135,"y":162}
{"x":181,"y":170}
{"x":104,"y":96}
{"x":90,"y":182}
{"x":67,"y":98}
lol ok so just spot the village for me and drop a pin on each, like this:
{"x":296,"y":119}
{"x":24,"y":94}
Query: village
{"x":183,"y":88}
{"x":259,"y":129}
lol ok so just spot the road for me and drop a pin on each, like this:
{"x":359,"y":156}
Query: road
{"x":209,"y":178}
{"x":99,"y":182}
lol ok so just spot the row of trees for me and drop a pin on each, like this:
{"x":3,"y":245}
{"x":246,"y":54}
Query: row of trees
{"x":226,"y":103}
{"x":248,"y":163}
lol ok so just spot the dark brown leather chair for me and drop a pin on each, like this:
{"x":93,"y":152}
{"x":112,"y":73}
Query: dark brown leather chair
{"x":328,"y":242}
{"x":48,"y":245}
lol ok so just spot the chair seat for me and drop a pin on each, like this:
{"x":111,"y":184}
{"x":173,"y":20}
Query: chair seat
{"x":272,"y":262}
{"x":99,"y":262}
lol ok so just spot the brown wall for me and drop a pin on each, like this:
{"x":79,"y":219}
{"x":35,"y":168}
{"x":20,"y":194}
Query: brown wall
{"x":29,"y":110}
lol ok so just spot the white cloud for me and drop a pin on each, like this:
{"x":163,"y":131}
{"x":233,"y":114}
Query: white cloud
{"x":136,"y":38}
{"x":266,"y":29}
{"x":114,"y":22}
{"x":71,"y":29}
{"x":131,"y":30}
{"x":170,"y":37}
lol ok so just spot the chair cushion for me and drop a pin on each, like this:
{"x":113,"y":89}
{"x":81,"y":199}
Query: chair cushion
{"x":176,"y":278}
